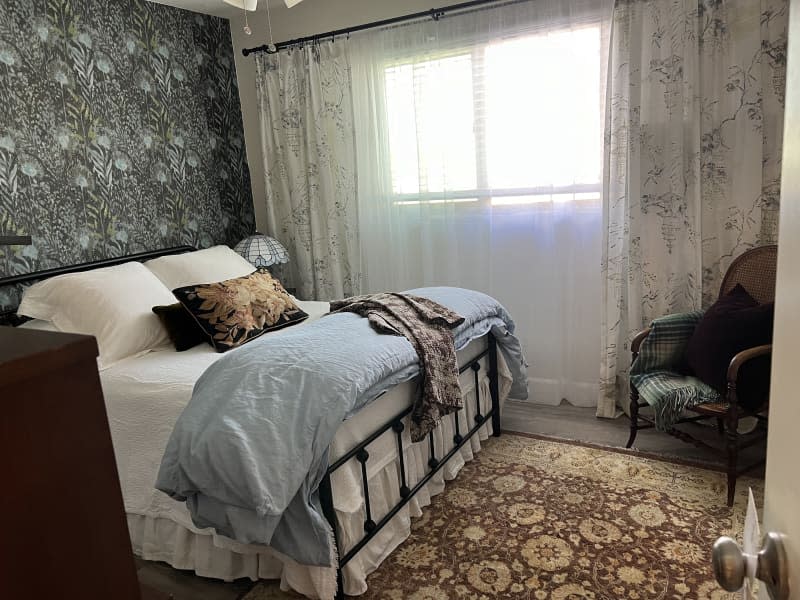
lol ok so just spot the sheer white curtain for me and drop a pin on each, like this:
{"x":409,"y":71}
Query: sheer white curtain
{"x":479,"y":153}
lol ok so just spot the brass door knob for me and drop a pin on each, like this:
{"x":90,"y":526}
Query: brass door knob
{"x":729,"y":564}
{"x":772,"y":568}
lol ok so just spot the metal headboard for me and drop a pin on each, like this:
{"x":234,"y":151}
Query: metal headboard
{"x":9,"y":316}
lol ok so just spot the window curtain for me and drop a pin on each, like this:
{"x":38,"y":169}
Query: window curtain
{"x":306,"y":118}
{"x":692,"y":159}
{"x":479,"y":166}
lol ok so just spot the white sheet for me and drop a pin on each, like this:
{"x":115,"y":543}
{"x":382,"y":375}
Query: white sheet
{"x":145,"y":396}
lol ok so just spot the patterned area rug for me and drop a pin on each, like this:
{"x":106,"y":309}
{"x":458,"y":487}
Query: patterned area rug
{"x":539,"y":519}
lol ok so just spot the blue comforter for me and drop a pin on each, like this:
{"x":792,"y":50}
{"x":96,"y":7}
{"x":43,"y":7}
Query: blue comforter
{"x":250,"y":449}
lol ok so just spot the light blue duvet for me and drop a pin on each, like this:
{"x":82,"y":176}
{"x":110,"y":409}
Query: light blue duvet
{"x":251,"y":447}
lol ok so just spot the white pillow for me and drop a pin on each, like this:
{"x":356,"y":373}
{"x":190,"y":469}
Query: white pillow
{"x":114,"y":304}
{"x":202,"y":266}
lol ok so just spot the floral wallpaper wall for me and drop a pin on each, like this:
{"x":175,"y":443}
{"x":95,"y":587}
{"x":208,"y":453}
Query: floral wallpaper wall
{"x":120,"y":131}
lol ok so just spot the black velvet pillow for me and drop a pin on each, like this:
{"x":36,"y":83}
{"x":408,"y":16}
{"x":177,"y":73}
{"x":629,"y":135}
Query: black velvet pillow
{"x":183,"y":330}
{"x":734,"y":323}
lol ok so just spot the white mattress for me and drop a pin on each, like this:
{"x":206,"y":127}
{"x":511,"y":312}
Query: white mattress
{"x":144,"y":397}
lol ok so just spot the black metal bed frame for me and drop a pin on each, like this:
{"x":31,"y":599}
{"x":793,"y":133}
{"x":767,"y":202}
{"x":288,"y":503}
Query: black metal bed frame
{"x":359,"y":452}
{"x":9,"y":317}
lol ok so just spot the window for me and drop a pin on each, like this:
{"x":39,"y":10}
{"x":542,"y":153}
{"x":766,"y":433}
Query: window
{"x":511,"y":122}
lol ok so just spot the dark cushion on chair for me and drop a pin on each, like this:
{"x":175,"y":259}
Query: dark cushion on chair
{"x":733,"y":323}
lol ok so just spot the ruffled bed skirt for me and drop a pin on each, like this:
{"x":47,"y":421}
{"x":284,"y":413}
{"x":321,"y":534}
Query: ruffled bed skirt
{"x":158,"y":538}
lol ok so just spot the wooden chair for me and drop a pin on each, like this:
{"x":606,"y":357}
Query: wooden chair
{"x":755,"y":271}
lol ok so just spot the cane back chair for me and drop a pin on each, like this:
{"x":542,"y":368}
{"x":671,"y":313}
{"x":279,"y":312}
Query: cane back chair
{"x":755,"y":270}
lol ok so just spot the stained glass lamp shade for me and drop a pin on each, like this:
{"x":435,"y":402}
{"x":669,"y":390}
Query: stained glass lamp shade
{"x":262,"y":250}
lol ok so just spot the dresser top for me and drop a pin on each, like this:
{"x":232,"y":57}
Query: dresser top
{"x":27,"y":352}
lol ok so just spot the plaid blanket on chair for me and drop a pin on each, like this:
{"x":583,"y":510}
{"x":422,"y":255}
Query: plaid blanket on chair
{"x":657,"y":371}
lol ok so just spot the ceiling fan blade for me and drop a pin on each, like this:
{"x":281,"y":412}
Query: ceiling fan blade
{"x":291,"y":3}
{"x":243,"y":4}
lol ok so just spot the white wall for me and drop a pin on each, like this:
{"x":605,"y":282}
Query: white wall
{"x":308,"y":18}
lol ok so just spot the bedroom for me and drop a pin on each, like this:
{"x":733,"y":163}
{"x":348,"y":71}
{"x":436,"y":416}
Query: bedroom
{"x":410,"y":156}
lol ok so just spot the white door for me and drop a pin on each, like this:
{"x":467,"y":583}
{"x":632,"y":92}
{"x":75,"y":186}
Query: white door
{"x":782,"y":491}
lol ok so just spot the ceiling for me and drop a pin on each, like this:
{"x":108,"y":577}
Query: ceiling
{"x":212,"y":7}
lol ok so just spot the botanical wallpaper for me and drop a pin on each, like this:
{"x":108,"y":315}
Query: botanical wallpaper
{"x":692,"y":158}
{"x":307,"y":136}
{"x":120,"y":131}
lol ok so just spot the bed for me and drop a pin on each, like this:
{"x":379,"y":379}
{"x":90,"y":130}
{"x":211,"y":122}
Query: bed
{"x":375,"y":482}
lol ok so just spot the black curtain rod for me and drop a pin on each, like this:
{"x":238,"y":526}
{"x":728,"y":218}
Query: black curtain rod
{"x":434,"y":13}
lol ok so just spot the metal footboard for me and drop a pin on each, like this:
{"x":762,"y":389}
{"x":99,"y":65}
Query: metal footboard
{"x":361,"y":454}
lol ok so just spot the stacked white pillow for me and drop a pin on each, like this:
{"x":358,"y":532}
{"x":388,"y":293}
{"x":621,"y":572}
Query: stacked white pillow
{"x":202,"y":266}
{"x":114,"y":304}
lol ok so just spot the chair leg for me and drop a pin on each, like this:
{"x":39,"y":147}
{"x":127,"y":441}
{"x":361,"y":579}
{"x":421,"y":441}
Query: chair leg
{"x":720,"y":425}
{"x":634,"y":409}
{"x":732,"y":438}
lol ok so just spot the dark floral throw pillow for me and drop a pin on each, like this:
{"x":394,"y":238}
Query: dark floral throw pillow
{"x":235,"y":311}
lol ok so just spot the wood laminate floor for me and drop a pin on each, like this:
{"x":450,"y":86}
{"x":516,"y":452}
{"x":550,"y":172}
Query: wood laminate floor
{"x":565,"y":422}
{"x":185,"y":585}
{"x":580,"y":424}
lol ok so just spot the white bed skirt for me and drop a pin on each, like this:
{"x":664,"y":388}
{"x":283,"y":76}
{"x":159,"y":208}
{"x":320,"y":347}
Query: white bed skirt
{"x":162,"y":539}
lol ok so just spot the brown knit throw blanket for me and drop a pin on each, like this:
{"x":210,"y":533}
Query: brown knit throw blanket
{"x":427,"y":325}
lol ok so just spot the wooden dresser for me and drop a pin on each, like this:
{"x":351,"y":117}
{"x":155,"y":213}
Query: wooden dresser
{"x":63,"y":532}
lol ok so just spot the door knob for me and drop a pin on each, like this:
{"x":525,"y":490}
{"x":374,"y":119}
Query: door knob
{"x":771,"y":566}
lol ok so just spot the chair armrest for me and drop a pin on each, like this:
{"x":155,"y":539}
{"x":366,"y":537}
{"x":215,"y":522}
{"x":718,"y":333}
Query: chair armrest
{"x":742,"y":357}
{"x":637,"y":340}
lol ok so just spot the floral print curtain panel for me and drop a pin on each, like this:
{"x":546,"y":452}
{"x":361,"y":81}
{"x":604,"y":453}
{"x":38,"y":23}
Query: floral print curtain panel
{"x":306,"y":113}
{"x":694,"y":120}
